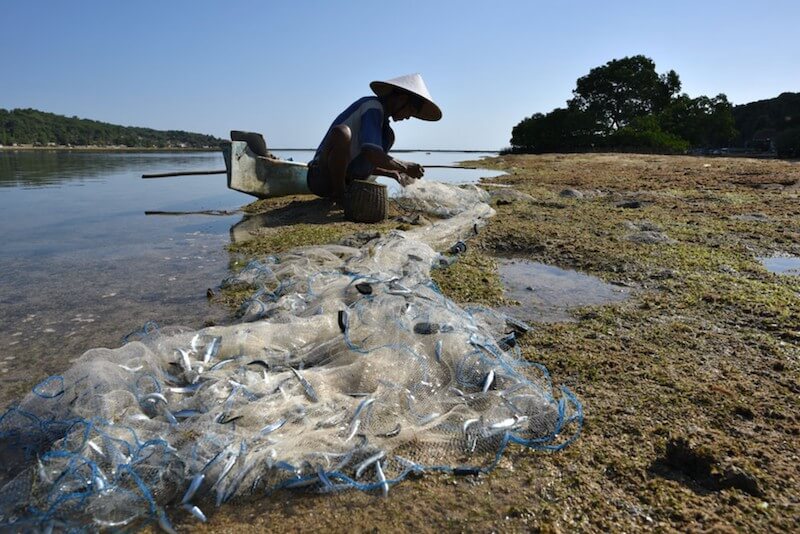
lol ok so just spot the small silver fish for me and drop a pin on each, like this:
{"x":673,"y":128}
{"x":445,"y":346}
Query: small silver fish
{"x":396,"y":288}
{"x":226,"y":469}
{"x":467,"y":424}
{"x":508,"y":423}
{"x":428,"y":418}
{"x":96,"y":448}
{"x":42,"y":472}
{"x":487,"y":383}
{"x":186,"y":389}
{"x":185,"y":363}
{"x":310,"y":393}
{"x":153,"y":397}
{"x":183,"y":414}
{"x":237,"y":480}
{"x":272,"y":427}
{"x":382,"y":479}
{"x":368,"y":462}
{"x":195,"y":339}
{"x":361,"y":405}
{"x":195,"y":511}
{"x":392,"y":433}
{"x":220,"y":364}
{"x":355,"y":422}
{"x":170,"y":417}
{"x":163,"y":522}
{"x":225,"y":418}
{"x":197,"y":480}
{"x":212,"y":349}
{"x":99,"y":483}
{"x":353,"y":429}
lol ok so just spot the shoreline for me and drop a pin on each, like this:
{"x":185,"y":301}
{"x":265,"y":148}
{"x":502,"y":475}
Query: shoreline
{"x":208,"y":149}
{"x":101,"y":149}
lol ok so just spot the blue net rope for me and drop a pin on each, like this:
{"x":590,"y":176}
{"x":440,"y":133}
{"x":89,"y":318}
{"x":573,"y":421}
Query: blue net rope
{"x":181,"y":418}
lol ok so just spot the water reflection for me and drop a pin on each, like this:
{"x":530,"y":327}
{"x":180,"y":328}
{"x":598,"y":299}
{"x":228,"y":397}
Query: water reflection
{"x":41,"y":168}
{"x":314,"y":211}
{"x":82,"y":266}
{"x":547,"y":293}
{"x":786,"y":265}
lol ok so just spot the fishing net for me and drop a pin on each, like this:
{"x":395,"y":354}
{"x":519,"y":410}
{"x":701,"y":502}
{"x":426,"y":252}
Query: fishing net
{"x":439,"y":199}
{"x":347,"y":369}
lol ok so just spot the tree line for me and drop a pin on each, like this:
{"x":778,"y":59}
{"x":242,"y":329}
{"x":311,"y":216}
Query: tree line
{"x":626,"y":105}
{"x":38,"y":128}
{"x":772,"y":123}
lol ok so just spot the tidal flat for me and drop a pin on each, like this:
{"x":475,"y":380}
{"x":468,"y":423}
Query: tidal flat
{"x":690,"y":386}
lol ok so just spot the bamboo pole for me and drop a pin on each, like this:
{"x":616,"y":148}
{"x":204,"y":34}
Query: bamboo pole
{"x":201,"y":212}
{"x":223,"y":171}
{"x":188,"y":173}
{"x":448,"y":167}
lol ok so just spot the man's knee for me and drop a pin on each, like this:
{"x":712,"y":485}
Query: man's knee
{"x":340,"y":136}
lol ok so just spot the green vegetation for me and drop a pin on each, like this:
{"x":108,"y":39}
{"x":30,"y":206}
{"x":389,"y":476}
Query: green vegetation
{"x":787,"y":143}
{"x":626,"y":105}
{"x":37,"y":128}
{"x":774,"y":121}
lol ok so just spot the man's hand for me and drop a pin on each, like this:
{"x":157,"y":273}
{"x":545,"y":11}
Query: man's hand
{"x":404,"y":179}
{"x":400,"y":177}
{"x":414,"y":170}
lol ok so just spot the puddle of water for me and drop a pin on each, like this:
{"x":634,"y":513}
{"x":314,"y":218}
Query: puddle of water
{"x":788,"y":265}
{"x":547,"y":294}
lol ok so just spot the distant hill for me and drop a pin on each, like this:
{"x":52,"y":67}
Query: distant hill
{"x":38,"y":128}
{"x":768,"y":122}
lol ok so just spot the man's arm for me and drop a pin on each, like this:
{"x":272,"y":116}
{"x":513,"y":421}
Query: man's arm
{"x":385,"y":165}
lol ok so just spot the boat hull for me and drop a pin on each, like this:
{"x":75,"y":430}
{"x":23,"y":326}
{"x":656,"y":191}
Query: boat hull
{"x":263,"y":177}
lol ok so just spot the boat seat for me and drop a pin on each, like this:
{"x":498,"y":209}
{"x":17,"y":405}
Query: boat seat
{"x":255,"y":142}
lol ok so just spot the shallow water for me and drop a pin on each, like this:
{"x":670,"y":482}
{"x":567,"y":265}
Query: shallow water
{"x":547,"y":294}
{"x":82,"y":265}
{"x":787,"y":265}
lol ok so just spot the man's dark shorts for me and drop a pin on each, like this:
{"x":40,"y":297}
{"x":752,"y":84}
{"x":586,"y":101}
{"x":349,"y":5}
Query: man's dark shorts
{"x":318,"y":182}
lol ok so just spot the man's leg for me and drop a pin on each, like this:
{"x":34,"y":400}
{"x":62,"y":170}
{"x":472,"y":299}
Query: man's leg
{"x":335,"y":157}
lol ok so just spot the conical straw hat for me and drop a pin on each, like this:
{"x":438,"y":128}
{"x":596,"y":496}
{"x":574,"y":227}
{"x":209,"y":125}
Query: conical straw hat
{"x":411,"y":83}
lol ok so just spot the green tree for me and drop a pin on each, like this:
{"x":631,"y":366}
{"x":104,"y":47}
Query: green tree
{"x":702,"y":121}
{"x":764,"y":120}
{"x":787,"y":143}
{"x":645,"y":133}
{"x":622,"y":90}
{"x":560,"y":130}
{"x":28,"y":126}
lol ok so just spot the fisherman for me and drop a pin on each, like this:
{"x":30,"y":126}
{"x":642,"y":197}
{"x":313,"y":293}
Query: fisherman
{"x":357,"y":144}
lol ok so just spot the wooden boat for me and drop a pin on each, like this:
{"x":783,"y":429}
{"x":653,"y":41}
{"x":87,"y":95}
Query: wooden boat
{"x":251,"y":169}
{"x":260,"y":176}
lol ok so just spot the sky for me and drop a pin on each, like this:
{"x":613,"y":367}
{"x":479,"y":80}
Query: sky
{"x":286,"y":69}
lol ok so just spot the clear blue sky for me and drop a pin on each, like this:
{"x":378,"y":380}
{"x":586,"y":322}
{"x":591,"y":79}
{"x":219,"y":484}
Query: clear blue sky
{"x":287,"y":68}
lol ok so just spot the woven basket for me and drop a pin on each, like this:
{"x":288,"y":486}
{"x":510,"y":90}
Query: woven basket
{"x":365,"y":202}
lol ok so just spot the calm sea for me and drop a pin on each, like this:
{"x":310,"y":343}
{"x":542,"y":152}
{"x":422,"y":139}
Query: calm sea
{"x":81,"y":264}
